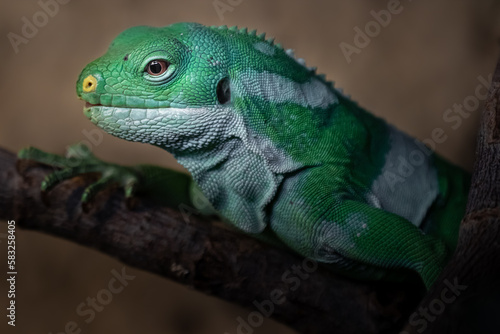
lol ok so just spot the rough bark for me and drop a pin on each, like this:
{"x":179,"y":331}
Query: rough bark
{"x":466,"y":297}
{"x":203,"y":254}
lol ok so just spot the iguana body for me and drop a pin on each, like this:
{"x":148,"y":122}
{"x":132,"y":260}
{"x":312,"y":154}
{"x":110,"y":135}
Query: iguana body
{"x":274,"y":147}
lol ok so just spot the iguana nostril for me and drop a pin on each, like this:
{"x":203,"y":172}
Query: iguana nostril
{"x":89,"y":84}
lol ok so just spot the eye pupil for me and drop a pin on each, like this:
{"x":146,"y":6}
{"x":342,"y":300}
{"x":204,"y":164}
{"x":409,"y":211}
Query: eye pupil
{"x":157,"y":67}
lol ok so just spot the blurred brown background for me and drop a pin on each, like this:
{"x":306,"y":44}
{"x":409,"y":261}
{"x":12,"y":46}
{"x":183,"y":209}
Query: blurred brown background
{"x":428,"y":58}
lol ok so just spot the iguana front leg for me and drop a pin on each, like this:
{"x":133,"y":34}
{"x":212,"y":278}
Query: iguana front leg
{"x":163,"y":185}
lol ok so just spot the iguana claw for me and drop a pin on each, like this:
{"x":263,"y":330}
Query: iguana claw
{"x":163,"y":185}
{"x":80,"y":160}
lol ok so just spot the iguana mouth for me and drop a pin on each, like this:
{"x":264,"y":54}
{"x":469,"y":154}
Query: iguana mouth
{"x":88,"y":105}
{"x":87,"y":109}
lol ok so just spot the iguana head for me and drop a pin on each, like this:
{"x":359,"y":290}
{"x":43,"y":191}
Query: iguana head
{"x":156,"y":84}
{"x":185,"y":86}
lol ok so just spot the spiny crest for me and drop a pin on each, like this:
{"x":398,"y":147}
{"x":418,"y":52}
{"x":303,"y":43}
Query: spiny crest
{"x":270,"y":41}
{"x":244,"y":31}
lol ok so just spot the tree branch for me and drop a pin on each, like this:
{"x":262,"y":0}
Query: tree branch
{"x":203,"y":254}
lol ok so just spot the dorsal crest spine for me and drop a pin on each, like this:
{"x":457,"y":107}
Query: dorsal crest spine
{"x":270,"y":41}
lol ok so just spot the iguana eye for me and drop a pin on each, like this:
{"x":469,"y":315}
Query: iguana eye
{"x":157,"y":67}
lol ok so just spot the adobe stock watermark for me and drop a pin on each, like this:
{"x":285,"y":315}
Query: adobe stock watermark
{"x":77,"y":153}
{"x":223,"y":6}
{"x":372,"y":29}
{"x":88,"y":309}
{"x":31,"y":26}
{"x":454,"y":116}
{"x":292,"y":278}
{"x":425,"y":315}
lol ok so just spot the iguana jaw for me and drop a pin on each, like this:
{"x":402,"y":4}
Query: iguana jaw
{"x":174,"y":128}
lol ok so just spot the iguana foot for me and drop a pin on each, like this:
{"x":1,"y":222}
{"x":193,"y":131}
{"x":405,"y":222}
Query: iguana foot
{"x":80,"y":160}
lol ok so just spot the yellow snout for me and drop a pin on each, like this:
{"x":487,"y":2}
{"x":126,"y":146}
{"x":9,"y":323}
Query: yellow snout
{"x":89,"y":84}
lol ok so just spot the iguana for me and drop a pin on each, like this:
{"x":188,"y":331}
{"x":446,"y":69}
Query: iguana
{"x":272,"y":148}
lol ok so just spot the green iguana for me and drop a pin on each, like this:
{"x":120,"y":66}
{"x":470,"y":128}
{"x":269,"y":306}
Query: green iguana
{"x":274,"y":148}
